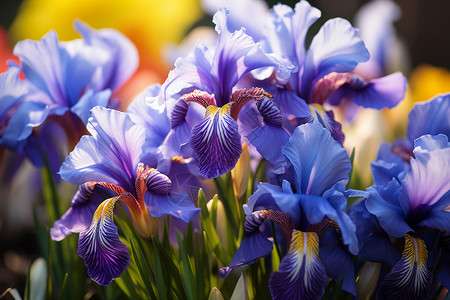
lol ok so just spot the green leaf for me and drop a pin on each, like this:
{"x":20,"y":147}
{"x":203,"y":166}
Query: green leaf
{"x":211,"y":235}
{"x":159,"y":279}
{"x":63,"y":287}
{"x":188,"y":278}
{"x":144,"y":270}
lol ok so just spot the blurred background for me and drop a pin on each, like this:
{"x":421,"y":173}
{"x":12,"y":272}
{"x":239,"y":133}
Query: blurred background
{"x":156,"y":28}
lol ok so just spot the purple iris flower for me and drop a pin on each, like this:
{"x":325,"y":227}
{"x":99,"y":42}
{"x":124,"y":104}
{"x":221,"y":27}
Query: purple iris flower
{"x":108,"y":164}
{"x":322,"y":74}
{"x":309,"y":205}
{"x":430,"y":117}
{"x":415,"y":207}
{"x":209,"y":129}
{"x":63,"y":81}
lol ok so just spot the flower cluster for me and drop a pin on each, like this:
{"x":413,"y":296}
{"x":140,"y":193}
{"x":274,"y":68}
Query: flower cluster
{"x":266,"y":88}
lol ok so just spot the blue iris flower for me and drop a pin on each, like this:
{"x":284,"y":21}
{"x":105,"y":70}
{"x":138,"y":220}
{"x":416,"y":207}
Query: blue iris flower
{"x":204,"y":107}
{"x":309,"y":205}
{"x":322,"y":74}
{"x":63,"y":81}
{"x":111,"y":163}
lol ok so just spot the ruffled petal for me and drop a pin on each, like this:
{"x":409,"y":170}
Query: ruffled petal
{"x":318,"y":160}
{"x":335,"y":48}
{"x":383,"y":203}
{"x":216,"y":142}
{"x":111,"y":154}
{"x":427,"y":180}
{"x":123,"y":56}
{"x":88,"y":101}
{"x":178,"y":205}
{"x":326,"y":119}
{"x":410,"y":277}
{"x":105,"y":256}
{"x":301,"y":273}
{"x":430,"y":117}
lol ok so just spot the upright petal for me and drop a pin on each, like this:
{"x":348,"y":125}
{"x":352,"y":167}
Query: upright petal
{"x":216,"y":142}
{"x":301,"y":273}
{"x":410,"y":277}
{"x":335,"y":48}
{"x":236,"y":55}
{"x":319,"y":161}
{"x":111,"y":154}
{"x":105,"y":256}
{"x":123,"y":56}
{"x":41,"y":65}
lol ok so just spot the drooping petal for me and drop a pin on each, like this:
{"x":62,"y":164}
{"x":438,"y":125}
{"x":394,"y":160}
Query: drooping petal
{"x":383,"y":203}
{"x":123,"y":56}
{"x":88,"y":101}
{"x":378,"y":93}
{"x":430,"y":117}
{"x":79,"y":216}
{"x":216,"y":142}
{"x":410,"y":277}
{"x":301,"y":273}
{"x":105,"y":256}
{"x":111,"y":154}
{"x":335,"y":48}
{"x":178,"y":205}
{"x":319,"y":161}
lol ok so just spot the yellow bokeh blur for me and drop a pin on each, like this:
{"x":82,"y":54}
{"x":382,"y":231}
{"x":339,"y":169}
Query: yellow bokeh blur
{"x":150,"y":24}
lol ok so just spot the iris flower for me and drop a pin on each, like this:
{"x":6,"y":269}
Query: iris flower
{"x":430,"y":117}
{"x":309,"y":205}
{"x":208,"y":78}
{"x":415,"y":207}
{"x":63,"y":81}
{"x":322,"y":74}
{"x":109,"y":162}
